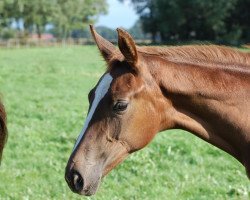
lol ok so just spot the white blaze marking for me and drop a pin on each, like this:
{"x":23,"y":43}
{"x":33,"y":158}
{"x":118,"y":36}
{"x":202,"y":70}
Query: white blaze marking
{"x":100,"y":92}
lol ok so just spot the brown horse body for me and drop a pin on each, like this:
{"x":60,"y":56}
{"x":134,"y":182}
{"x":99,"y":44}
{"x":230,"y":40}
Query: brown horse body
{"x":3,"y":129}
{"x":202,"y":89}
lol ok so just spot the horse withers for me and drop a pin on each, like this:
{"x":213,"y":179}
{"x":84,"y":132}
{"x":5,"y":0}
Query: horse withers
{"x":202,"y":89}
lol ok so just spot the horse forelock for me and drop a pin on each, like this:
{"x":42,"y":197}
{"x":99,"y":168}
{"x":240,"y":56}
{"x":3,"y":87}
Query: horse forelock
{"x":114,"y":59}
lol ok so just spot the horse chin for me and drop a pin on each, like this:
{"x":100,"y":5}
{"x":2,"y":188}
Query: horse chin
{"x":91,"y":188}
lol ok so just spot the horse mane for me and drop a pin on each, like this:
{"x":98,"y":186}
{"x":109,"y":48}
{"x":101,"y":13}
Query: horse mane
{"x":3,"y":129}
{"x":199,"y":54}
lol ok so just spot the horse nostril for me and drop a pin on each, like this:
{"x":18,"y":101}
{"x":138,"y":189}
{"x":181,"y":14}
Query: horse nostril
{"x":77,"y":182}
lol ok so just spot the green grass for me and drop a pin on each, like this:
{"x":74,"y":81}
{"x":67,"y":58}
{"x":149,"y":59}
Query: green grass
{"x":45,"y":93}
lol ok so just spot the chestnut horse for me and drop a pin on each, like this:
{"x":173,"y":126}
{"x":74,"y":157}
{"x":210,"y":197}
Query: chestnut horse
{"x":3,"y":129}
{"x":202,"y":89}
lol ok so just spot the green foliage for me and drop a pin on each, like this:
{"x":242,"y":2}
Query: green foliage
{"x":45,"y":93}
{"x":111,"y":34}
{"x":35,"y":14}
{"x":137,"y":31}
{"x":239,"y":20}
{"x":106,"y":32}
{"x":214,"y":20}
{"x":72,"y":15}
{"x":64,"y":15}
{"x":7,"y":33}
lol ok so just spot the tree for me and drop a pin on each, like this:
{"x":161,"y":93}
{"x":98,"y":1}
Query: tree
{"x":36,"y":14}
{"x":64,"y":15}
{"x":77,"y":14}
{"x":137,"y":31}
{"x":147,"y":9}
{"x":5,"y":10}
{"x":107,"y":33}
{"x":194,"y":19}
{"x":238,"y":23}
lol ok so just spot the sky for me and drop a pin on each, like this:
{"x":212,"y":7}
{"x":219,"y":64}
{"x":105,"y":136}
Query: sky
{"x":119,"y":15}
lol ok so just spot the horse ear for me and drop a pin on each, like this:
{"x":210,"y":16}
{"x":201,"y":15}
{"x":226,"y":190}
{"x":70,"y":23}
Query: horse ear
{"x":127,"y":46}
{"x":106,"y":48}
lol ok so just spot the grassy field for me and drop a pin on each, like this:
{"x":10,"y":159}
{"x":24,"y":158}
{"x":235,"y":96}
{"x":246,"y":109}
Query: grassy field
{"x":45,"y":93}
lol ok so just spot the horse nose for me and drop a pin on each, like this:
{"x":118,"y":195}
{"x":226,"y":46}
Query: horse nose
{"x":75,"y":181}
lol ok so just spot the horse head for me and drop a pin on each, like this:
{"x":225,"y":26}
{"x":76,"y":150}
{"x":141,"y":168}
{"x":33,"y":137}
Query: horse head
{"x":123,"y":117}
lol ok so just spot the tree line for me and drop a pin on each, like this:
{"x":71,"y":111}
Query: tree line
{"x":223,"y":21}
{"x":64,"y":16}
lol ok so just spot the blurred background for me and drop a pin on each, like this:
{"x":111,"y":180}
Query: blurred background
{"x":44,"y":22}
{"x":48,"y":65}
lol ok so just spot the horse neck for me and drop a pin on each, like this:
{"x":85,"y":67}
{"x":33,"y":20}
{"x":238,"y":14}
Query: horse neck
{"x":200,"y":99}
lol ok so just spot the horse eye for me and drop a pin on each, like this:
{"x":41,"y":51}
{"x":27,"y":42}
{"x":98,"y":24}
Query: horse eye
{"x":120,"y":106}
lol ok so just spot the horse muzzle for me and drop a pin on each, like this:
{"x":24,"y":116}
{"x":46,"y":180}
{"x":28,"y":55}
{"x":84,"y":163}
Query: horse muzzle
{"x":82,"y":183}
